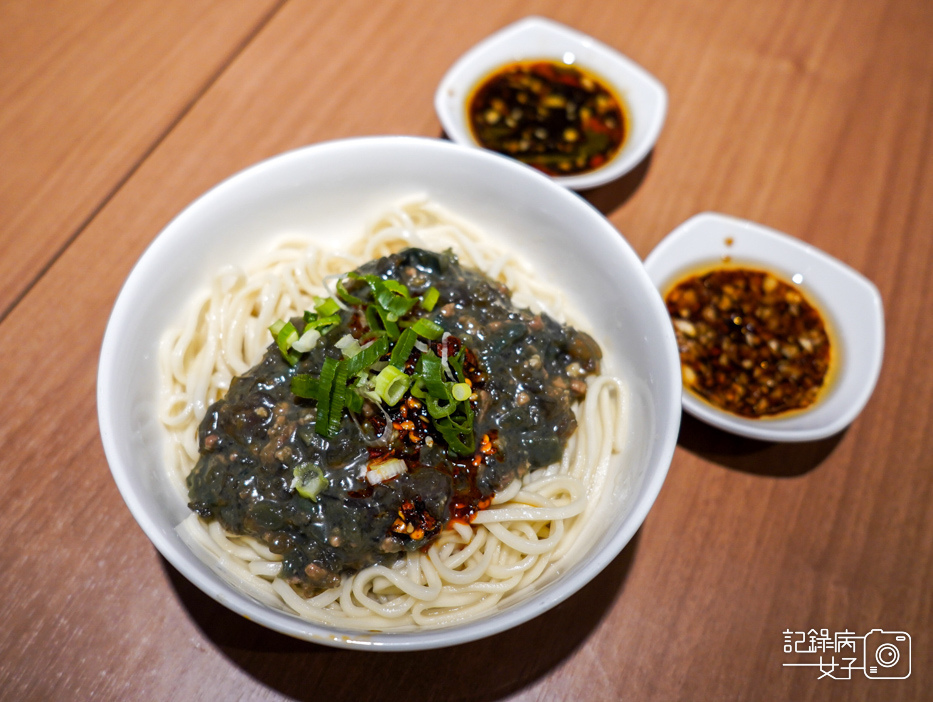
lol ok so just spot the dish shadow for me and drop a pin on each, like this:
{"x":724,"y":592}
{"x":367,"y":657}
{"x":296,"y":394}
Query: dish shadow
{"x":609,"y":197}
{"x":488,"y":669}
{"x":766,"y":458}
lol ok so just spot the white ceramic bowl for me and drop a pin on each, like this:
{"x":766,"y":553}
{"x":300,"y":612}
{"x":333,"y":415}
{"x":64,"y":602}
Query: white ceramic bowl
{"x":851,"y":302}
{"x":330,"y":191}
{"x":539,"y":38}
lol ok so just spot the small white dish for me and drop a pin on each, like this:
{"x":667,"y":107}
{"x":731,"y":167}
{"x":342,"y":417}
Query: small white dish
{"x":850,"y":301}
{"x":539,"y":38}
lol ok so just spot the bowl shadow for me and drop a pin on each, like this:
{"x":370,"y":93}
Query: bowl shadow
{"x":612,"y":195}
{"x":609,"y":197}
{"x":765,"y":458}
{"x":488,"y":669}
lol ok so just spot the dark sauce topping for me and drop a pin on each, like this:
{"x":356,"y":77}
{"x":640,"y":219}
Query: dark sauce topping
{"x":750,"y":343}
{"x":525,"y":371}
{"x":553,"y":116}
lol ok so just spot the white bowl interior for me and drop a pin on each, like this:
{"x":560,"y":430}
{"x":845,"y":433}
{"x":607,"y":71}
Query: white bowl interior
{"x":539,"y":38}
{"x":330,"y":191}
{"x":849,"y":300}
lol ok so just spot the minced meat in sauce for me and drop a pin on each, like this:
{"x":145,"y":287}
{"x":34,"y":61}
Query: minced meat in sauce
{"x":526,"y":370}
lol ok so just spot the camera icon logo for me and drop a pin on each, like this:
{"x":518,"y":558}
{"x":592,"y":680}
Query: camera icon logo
{"x":887,"y":654}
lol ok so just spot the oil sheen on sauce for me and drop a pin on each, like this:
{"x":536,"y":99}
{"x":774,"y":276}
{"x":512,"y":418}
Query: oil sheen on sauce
{"x":556,"y":117}
{"x":750,"y":343}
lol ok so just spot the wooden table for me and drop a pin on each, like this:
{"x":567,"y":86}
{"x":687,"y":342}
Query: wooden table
{"x":814,"y":117}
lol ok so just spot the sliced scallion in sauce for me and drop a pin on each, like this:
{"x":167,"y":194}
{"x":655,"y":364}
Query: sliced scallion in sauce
{"x":382,"y":369}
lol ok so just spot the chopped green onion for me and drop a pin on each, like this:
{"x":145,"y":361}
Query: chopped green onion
{"x":391,"y":384}
{"x":306,"y":385}
{"x":325,"y":306}
{"x":417,"y":388}
{"x":354,"y":401}
{"x":456,"y":363}
{"x":461,"y":392}
{"x":307,"y":341}
{"x":429,"y":368}
{"x":458,"y":435}
{"x":328,"y":372}
{"x":373,"y":319}
{"x":385,"y":470}
{"x":462,"y":447}
{"x":315,"y":322}
{"x":309,"y":480}
{"x":345,"y":296}
{"x":391,"y":296}
{"x":285,"y":335}
{"x":348,"y":346}
{"x":424,"y":327}
{"x":403,"y":347}
{"x":388,"y":324}
{"x":379,"y":320}
{"x":439,"y":411}
{"x":338,"y":399}
{"x":367,"y":356}
{"x":430,"y":298}
{"x":460,"y":442}
{"x":395,"y":286}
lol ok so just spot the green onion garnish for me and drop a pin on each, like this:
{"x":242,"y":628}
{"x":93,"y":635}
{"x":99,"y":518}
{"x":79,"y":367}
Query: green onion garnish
{"x":354,"y":401}
{"x":322,"y":421}
{"x":403,"y":348}
{"x":456,"y":364}
{"x":429,"y":368}
{"x":391,"y":385}
{"x":348,"y":346}
{"x":430,"y":298}
{"x":431,"y":331}
{"x":307,"y":341}
{"x":417,"y":388}
{"x":338,"y":399}
{"x":363,"y":372}
{"x":306,"y":386}
{"x":345,"y":296}
{"x":458,"y":435}
{"x":438,"y":410}
{"x":313,"y":321}
{"x":309,"y":480}
{"x":461,"y":392}
{"x":367,"y":356}
{"x":325,"y":306}
{"x":385,"y":318}
{"x":285,"y":335}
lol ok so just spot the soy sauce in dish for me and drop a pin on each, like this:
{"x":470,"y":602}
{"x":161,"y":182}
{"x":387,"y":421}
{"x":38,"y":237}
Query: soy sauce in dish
{"x":556,"y":117}
{"x":750,"y":343}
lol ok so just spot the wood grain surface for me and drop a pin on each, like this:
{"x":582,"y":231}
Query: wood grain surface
{"x":814,"y":117}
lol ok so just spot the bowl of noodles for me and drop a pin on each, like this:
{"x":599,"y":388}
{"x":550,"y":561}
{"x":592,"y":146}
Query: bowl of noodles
{"x":389,"y":393}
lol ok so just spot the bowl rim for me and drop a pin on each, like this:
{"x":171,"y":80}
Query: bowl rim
{"x":192,"y":568}
{"x":673,"y":258}
{"x":511,"y":43}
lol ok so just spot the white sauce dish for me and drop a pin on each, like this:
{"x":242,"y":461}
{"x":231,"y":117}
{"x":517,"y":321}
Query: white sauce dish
{"x":850,"y":304}
{"x":537,"y":38}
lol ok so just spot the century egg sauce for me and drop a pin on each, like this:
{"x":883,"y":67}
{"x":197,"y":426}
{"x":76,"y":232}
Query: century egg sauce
{"x":554,"y":116}
{"x":526,"y":371}
{"x":750,"y":342}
